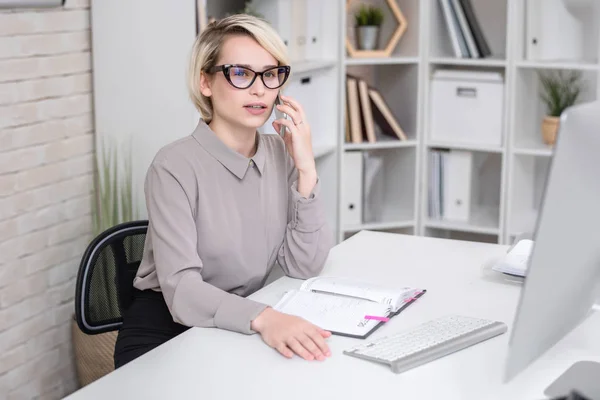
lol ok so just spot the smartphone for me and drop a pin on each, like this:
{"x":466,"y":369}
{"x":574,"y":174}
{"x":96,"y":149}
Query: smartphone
{"x":280,"y":115}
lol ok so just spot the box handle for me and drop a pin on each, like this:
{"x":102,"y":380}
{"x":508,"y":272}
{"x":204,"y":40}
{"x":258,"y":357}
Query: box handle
{"x":466,"y":92}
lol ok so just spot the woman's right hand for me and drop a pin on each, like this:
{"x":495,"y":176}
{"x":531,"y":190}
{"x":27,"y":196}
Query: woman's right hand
{"x":289,"y":334}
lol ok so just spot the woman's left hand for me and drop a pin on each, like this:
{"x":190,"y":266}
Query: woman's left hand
{"x":297,"y":135}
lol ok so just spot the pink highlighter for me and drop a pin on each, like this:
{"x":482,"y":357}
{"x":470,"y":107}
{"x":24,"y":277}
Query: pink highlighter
{"x":377,"y":318}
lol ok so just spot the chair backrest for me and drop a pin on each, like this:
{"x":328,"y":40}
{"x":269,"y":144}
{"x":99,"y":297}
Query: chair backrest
{"x":105,"y":278}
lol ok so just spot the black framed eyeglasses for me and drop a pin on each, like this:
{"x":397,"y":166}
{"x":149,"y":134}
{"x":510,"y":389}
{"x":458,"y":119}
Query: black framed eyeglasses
{"x":242,"y":77}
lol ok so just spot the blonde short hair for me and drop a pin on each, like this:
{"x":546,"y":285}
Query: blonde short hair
{"x":207,"y":48}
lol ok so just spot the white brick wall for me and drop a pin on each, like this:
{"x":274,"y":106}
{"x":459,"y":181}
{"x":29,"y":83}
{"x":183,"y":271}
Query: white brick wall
{"x":46,"y":162}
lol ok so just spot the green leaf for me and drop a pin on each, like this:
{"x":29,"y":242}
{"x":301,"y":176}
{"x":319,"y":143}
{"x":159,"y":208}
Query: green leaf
{"x":558,"y":92}
{"x":115,"y":191}
{"x":368,"y":16}
{"x":113,"y":197}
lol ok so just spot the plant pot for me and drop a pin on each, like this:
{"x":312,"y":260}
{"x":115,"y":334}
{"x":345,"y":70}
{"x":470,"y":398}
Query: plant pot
{"x":550,"y":129}
{"x":367,"y":37}
{"x":93,"y":354}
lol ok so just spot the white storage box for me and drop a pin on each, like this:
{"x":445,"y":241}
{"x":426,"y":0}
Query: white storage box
{"x":467,"y":107}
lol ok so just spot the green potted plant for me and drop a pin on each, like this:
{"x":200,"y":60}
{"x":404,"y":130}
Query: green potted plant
{"x":559,"y":90}
{"x":368,"y":20}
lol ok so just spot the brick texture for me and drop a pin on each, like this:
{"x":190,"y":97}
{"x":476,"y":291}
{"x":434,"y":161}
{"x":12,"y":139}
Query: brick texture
{"x":46,"y":184}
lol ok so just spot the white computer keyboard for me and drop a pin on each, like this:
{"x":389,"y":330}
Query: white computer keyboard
{"x":427,"y":342}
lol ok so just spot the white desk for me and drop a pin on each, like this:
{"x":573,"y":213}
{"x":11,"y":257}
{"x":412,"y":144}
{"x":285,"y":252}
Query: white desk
{"x":217,"y":364}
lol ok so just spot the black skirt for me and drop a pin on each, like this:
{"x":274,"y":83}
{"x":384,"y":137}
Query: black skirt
{"x":147,"y":324}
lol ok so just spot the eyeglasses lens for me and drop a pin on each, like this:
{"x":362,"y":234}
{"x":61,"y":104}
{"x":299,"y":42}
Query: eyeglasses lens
{"x":242,"y":77}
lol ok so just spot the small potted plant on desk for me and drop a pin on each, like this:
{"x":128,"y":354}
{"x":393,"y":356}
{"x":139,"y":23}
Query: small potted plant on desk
{"x":559,"y":91}
{"x":368,"y":23}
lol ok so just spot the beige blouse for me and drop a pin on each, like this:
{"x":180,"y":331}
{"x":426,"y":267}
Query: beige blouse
{"x":218,"y":222}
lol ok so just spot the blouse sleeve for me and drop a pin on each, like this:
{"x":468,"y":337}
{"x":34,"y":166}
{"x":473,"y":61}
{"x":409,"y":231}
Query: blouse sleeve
{"x":308,"y":237}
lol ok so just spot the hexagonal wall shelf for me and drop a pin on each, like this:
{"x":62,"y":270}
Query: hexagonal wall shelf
{"x":394,"y":39}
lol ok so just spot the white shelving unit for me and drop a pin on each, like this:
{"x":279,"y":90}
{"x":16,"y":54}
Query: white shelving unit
{"x":507,"y":180}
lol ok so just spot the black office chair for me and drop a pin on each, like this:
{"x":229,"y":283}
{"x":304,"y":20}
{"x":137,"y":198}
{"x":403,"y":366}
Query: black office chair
{"x":104,"y":285}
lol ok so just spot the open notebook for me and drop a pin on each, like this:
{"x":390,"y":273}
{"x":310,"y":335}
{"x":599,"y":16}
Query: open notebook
{"x":341,"y":305}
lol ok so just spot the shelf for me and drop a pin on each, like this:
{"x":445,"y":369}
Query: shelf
{"x":580,"y":66}
{"x":321,"y":150}
{"x":475,"y":62}
{"x":380,"y":226}
{"x":382,"y":61}
{"x":389,"y":144}
{"x":465,"y":146}
{"x":534,"y":149}
{"x":304,"y":67}
{"x":484,"y":221}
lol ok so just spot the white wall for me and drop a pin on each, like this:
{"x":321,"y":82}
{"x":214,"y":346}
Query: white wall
{"x":46,"y":145}
{"x":140,"y":88}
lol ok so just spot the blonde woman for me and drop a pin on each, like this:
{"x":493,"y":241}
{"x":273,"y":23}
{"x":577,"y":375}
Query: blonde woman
{"x":226,"y":203}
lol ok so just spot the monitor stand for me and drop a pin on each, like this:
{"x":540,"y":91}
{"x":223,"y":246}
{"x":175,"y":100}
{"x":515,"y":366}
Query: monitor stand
{"x":583,"y":377}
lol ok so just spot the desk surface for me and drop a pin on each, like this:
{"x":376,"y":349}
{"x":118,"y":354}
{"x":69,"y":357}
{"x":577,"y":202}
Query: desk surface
{"x":213,"y":363}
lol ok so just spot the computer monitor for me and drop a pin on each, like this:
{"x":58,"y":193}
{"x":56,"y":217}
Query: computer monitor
{"x":563,"y":273}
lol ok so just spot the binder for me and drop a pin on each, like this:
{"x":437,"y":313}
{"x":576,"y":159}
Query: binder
{"x":356,"y":132}
{"x":453,"y":30}
{"x":544,"y":42}
{"x":383,"y":116}
{"x":353,"y":187}
{"x":314,"y":46}
{"x":367,"y":113}
{"x":298,"y":23}
{"x":279,"y":14}
{"x":479,"y":36}
{"x":466,"y":30}
{"x":457,"y":170}
{"x":373,"y":186}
